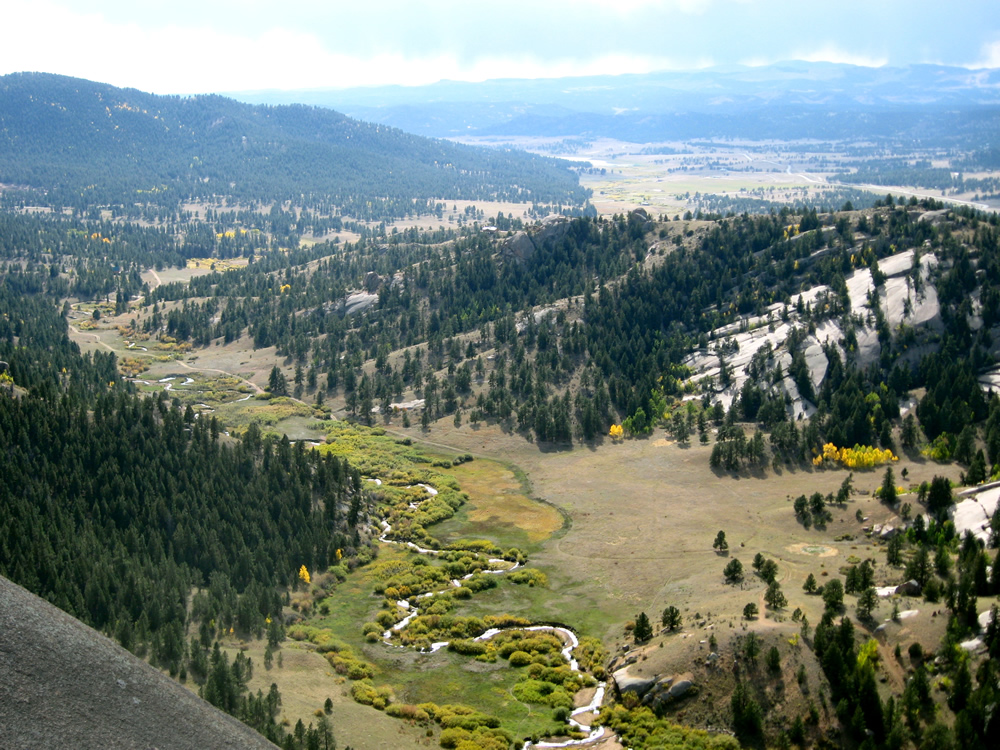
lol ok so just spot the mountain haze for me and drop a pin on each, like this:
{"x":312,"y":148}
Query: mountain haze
{"x":664,"y":105}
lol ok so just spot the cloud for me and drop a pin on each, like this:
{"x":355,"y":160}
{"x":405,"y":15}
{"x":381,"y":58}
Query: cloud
{"x":831,"y":52}
{"x":190,"y":58}
{"x":990,"y":56}
{"x":193,"y":46}
{"x":176,"y":58}
{"x":611,"y":64}
{"x":631,"y":6}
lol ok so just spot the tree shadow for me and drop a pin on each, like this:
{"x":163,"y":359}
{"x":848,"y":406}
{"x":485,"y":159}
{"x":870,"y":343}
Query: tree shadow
{"x":553,"y":447}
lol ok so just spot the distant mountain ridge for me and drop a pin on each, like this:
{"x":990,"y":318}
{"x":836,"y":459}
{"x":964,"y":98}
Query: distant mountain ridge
{"x":612,"y":105}
{"x":76,"y":136}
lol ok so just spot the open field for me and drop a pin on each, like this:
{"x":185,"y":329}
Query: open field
{"x":625,"y":176}
{"x":305,"y":680}
{"x":169,"y":275}
{"x":644,"y":514}
{"x":642,"y":517}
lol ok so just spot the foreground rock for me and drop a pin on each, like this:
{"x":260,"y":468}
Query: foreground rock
{"x":65,"y":685}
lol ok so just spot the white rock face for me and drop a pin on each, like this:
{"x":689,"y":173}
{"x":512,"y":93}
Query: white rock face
{"x":984,"y":619}
{"x":974,"y":513}
{"x":898,"y":298}
{"x":901,"y":302}
{"x":358,"y":301}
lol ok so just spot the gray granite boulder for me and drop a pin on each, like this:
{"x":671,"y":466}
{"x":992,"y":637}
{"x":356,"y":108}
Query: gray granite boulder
{"x":627,"y":683}
{"x":520,"y":246}
{"x":910,"y":588}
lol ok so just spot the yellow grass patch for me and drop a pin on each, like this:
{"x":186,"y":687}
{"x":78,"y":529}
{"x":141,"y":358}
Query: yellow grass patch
{"x":216,"y":264}
{"x":497,"y":499}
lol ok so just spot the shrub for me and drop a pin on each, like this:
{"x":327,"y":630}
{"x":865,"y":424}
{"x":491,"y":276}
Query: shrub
{"x":364,"y":692}
{"x":530,"y":576}
{"x":469,"y":721}
{"x":453,"y":735}
{"x":468,"y":647}
{"x":773,"y":659}
{"x":520,"y":659}
{"x":539,"y":691}
{"x":408,"y":711}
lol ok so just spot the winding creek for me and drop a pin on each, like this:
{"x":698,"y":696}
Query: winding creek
{"x":567,"y":636}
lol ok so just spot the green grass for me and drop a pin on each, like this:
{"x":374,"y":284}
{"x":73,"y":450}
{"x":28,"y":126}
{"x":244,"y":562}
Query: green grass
{"x":353,"y":602}
{"x":442,"y":677}
{"x":498,"y":509}
{"x":567,"y":602}
{"x":238,"y":415}
{"x":446,"y":677}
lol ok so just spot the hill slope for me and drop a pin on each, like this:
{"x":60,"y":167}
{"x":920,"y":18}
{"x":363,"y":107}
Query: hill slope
{"x":110,"y":145}
{"x":66,"y":685}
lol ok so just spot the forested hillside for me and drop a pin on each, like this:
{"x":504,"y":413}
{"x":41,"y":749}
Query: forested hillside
{"x":642,"y":298}
{"x":83,"y":143}
{"x":118,"y":507}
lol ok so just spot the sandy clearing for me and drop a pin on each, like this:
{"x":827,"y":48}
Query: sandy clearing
{"x":816,"y":550}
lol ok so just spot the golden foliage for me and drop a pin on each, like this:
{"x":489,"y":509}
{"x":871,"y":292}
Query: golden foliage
{"x":858,"y":457}
{"x":131,"y":367}
{"x":617,"y":432}
{"x":304,"y":574}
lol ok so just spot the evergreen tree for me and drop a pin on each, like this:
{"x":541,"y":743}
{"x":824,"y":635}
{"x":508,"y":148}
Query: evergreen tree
{"x":919,"y":566}
{"x":720,"y":544}
{"x":894,"y":550}
{"x":671,"y":619}
{"x":833,"y":595}
{"x":748,"y":717}
{"x":887,"y":492}
{"x":774,"y":597}
{"x":867,"y":603}
{"x":733,"y":571}
{"x":908,"y":435}
{"x":977,"y":469}
{"x":276,"y":382}
{"x":939,"y":498}
{"x":643,"y":630}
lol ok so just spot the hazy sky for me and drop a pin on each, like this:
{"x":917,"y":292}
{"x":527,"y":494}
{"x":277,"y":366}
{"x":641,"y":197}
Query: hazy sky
{"x":194,"y":46}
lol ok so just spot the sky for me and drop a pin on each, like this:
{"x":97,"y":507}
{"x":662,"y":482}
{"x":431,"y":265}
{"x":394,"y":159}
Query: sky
{"x":202,"y":46}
